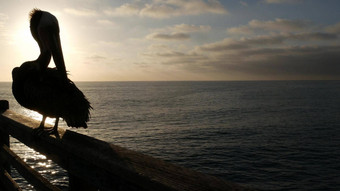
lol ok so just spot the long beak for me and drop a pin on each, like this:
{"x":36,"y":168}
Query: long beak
{"x":57,"y":53}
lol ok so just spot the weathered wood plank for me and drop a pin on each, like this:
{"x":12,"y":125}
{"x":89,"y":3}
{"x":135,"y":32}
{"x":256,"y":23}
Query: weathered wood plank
{"x":108,"y":166}
{"x":32,"y":176}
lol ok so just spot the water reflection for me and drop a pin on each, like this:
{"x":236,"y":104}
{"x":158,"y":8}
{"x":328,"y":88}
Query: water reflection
{"x":37,"y":116}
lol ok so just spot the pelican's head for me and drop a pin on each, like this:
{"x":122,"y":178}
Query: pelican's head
{"x":45,"y":30}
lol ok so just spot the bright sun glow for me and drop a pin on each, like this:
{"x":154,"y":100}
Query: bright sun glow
{"x":27,"y":47}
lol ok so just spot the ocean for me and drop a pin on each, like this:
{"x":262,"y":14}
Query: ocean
{"x":269,"y":135}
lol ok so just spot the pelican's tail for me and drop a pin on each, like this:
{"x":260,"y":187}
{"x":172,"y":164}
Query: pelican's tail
{"x":78,"y":113}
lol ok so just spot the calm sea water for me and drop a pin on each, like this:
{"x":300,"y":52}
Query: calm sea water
{"x":278,"y":135}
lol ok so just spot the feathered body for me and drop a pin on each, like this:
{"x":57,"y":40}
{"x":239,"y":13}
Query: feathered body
{"x":50,"y":95}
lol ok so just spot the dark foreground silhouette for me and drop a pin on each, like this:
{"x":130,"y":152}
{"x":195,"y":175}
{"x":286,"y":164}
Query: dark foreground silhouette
{"x":48,"y":90}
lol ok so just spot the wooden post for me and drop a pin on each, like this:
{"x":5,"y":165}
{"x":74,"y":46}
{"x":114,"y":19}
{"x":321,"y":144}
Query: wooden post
{"x":4,"y":105}
{"x":5,"y":167}
{"x":4,"y":138}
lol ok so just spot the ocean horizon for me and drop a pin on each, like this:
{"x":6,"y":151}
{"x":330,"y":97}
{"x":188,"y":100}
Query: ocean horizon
{"x":270,"y":135}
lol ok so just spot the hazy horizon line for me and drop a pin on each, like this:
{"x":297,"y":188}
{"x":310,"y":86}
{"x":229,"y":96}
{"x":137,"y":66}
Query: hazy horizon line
{"x":198,"y":80}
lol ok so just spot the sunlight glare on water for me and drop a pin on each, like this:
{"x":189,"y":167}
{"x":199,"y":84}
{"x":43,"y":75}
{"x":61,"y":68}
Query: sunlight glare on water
{"x":37,"y":116}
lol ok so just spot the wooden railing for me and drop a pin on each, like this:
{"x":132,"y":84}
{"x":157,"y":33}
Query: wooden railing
{"x":93,"y":164}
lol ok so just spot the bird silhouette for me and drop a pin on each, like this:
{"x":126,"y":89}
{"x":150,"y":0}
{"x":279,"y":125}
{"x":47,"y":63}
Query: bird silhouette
{"x":48,"y":90}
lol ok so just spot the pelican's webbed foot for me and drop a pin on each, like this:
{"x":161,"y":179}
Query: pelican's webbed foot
{"x":54,"y":130}
{"x":41,"y":129}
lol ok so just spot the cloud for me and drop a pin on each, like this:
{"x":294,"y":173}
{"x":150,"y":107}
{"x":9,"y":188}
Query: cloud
{"x":282,"y":1}
{"x":169,"y":8}
{"x":284,"y":49}
{"x":159,"y":11}
{"x":320,"y":36}
{"x":229,"y":44}
{"x":240,"y":30}
{"x":244,"y":43}
{"x":81,"y":12}
{"x":3,"y":20}
{"x":317,"y":61}
{"x":96,"y":58}
{"x":333,"y":28}
{"x":244,"y":3}
{"x":278,"y":25}
{"x":171,"y":57}
{"x":124,"y":10}
{"x":177,"y":32}
{"x":185,"y":28}
{"x":226,"y":44}
{"x":106,"y":22}
{"x":271,"y":56}
{"x":3,"y":28}
{"x":173,"y":36}
{"x":280,"y":63}
{"x":300,"y":62}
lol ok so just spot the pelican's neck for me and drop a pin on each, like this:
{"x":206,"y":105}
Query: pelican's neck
{"x":43,"y":60}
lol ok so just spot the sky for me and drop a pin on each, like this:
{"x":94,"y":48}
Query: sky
{"x":164,"y":40}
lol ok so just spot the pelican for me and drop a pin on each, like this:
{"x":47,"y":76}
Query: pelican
{"x":48,"y":90}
